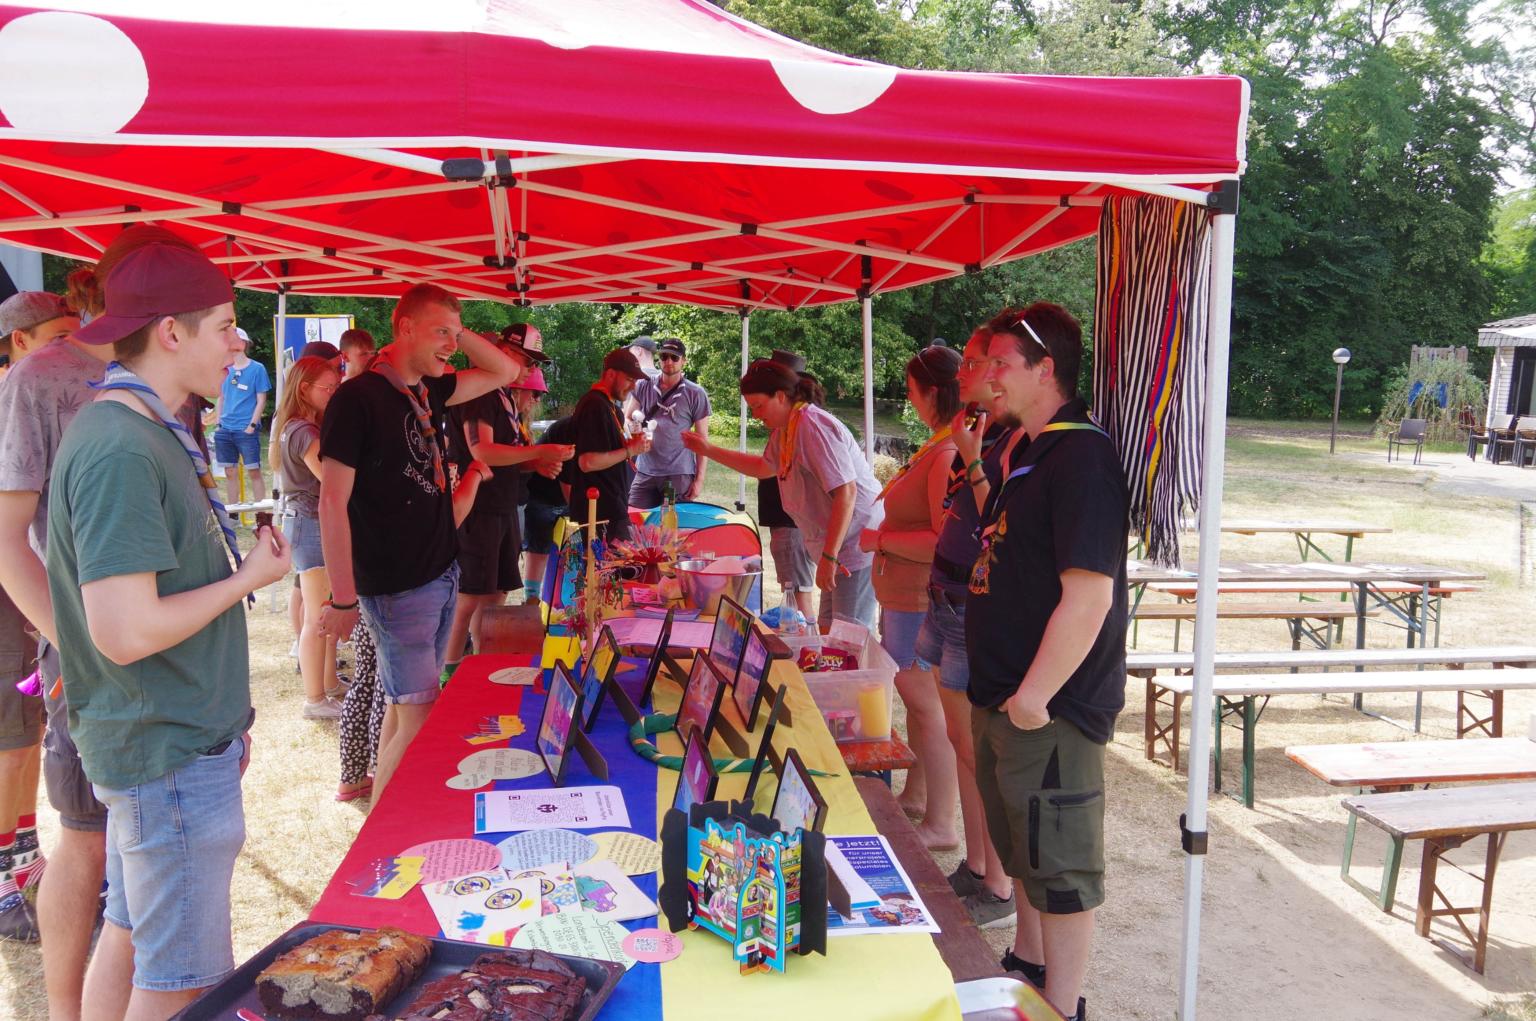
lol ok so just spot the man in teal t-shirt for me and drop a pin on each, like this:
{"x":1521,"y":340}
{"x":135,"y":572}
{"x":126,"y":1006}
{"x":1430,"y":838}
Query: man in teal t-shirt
{"x":152,"y":632}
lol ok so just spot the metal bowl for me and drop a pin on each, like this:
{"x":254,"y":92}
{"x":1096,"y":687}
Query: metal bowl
{"x":704,"y":590}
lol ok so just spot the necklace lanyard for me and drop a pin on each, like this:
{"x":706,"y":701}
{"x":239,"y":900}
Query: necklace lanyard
{"x":524,"y":438}
{"x":791,"y":430}
{"x":996,"y":497}
{"x":928,"y":444}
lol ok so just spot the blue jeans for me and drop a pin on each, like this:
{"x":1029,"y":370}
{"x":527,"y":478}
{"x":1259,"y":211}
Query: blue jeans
{"x":229,"y":446}
{"x":171,"y":848}
{"x":898,"y":634}
{"x":942,"y":641}
{"x":303,"y":534}
{"x":411,"y":629}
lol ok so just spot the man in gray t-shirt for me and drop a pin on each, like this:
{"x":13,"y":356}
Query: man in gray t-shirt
{"x":38,"y":400}
{"x":676,"y":405}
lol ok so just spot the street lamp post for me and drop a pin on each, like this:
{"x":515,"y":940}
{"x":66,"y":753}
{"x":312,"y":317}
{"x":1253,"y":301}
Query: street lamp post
{"x":1341,"y":359}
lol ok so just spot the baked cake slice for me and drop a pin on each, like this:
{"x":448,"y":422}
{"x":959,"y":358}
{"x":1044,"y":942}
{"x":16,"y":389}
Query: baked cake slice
{"x":341,"y":975}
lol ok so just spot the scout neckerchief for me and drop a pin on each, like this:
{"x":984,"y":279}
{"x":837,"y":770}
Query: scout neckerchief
{"x":120,"y":377}
{"x":419,"y":406}
{"x":665,"y":398}
{"x":791,"y":430}
{"x":524,"y":438}
{"x":958,"y":468}
{"x":993,"y":523}
{"x":928,"y":444}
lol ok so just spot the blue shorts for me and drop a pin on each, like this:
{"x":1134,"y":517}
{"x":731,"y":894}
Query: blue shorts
{"x":230,"y":446}
{"x":539,"y":526}
{"x":411,"y":631}
{"x":898,"y":636}
{"x":303,"y":534}
{"x":171,"y":849}
{"x":942,"y":641}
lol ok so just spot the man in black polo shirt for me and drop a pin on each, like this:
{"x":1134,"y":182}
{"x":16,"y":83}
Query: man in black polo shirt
{"x":602,"y":451}
{"x":1045,"y":630}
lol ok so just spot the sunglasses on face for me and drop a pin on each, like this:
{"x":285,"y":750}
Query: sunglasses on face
{"x":669,"y":358}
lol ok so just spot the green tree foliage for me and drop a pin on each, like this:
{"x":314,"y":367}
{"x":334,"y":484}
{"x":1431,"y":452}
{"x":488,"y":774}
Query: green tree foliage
{"x":1510,"y":257}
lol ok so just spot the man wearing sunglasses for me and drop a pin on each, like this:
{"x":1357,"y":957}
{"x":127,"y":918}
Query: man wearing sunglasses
{"x":676,"y":405}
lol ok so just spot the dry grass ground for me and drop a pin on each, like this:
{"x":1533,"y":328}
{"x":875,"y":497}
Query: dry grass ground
{"x":1281,"y":936}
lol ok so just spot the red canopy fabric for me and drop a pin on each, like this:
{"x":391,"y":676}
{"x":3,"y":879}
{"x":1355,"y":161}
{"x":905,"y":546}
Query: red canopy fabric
{"x":658,"y":150}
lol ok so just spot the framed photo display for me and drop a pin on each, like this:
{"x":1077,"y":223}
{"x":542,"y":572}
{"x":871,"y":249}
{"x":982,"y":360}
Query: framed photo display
{"x":776,"y":699}
{"x":696,"y":780}
{"x":602,"y":662}
{"x":797,"y":804}
{"x":559,"y":733}
{"x":699,"y":710}
{"x":747,"y":693}
{"x":728,"y":642}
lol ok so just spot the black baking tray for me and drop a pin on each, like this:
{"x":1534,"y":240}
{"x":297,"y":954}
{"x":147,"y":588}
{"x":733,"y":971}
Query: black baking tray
{"x":220,"y":1002}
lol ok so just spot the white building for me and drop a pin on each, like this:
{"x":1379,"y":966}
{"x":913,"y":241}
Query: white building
{"x":1510,"y":384}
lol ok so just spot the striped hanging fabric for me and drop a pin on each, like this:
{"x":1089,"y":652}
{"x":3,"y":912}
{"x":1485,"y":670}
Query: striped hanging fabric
{"x":1149,"y":358}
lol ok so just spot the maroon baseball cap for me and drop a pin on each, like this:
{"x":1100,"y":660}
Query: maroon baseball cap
{"x":151,"y":282}
{"x":624,"y":360}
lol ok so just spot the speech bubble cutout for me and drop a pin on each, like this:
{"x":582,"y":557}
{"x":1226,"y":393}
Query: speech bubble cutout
{"x":479,"y":768}
{"x":636,"y":855}
{"x":448,"y":859}
{"x":652,"y":946}
{"x":578,"y":934}
{"x":519,"y":675}
{"x":532,"y":848}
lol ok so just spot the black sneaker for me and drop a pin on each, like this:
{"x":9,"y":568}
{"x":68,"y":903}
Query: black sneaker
{"x":963,"y":881}
{"x":1033,"y":973}
{"x":989,"y":911}
{"x":17,"y":922}
{"x":1082,"y":1011}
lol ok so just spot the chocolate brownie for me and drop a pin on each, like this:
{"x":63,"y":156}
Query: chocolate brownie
{"x":516,"y":985}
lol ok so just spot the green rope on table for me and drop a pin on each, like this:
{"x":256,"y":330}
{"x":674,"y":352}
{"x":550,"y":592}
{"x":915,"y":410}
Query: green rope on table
{"x":658,"y":723}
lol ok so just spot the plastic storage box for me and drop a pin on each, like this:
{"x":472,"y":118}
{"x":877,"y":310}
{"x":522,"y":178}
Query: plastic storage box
{"x":855,"y":703}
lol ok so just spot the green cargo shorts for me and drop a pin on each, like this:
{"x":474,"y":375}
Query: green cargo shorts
{"x":1043,"y":791}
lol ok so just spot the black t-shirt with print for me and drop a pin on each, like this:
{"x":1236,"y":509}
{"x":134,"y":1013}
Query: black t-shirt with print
{"x":596,"y":429}
{"x":403,"y":534}
{"x":1071,"y":510}
{"x":504,"y":491}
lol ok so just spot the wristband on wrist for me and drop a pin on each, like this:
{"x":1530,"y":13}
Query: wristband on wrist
{"x":341,"y":606}
{"x":973,"y":466}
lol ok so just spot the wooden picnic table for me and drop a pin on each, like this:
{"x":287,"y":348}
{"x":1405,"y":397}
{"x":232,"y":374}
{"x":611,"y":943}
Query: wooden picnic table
{"x":1398,"y":765}
{"x":1445,"y":819}
{"x":1384,"y":586}
{"x":1303,"y":531}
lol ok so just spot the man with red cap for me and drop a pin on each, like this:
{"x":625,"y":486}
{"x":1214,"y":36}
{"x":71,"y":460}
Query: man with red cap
{"x":602,"y":450}
{"x":152,"y":632}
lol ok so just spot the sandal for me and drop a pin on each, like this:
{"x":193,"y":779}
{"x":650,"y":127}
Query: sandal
{"x":362,"y":790}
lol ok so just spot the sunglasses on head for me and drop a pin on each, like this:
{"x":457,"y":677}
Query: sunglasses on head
{"x":1018,"y":321}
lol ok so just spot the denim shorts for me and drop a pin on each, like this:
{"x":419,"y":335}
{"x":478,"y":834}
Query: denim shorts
{"x":303,"y":534}
{"x":171,"y":848}
{"x":411,"y":629}
{"x":230,"y":446}
{"x":539,"y":526}
{"x":942,"y":641}
{"x":898,"y":635}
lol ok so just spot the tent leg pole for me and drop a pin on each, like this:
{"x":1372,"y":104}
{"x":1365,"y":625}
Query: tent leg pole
{"x":866,"y":307}
{"x":1223,"y":233}
{"x":741,"y":480}
{"x":277,"y":349}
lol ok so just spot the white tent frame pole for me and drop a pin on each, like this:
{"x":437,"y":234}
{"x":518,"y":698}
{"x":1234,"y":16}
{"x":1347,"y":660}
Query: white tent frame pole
{"x":277,"y":351}
{"x":741,"y":411}
{"x":38,"y":207}
{"x":866,"y":310}
{"x":1223,"y":235}
{"x":428,"y":165}
{"x":1024,"y":235}
{"x":922,"y":246}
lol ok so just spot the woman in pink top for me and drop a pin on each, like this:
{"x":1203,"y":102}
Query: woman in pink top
{"x":903,"y":546}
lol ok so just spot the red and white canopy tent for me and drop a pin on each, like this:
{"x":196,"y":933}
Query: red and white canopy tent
{"x":540,"y":151}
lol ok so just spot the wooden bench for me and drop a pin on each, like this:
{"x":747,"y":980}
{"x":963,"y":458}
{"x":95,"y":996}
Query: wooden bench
{"x":1313,"y":621}
{"x":1243,"y":697}
{"x":877,"y":758}
{"x":1444,"y":819}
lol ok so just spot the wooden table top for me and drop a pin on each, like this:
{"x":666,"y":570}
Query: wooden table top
{"x":1385,"y":681}
{"x":1446,"y":811}
{"x":1518,"y":655}
{"x":1140,"y":572}
{"x":1411,"y":762}
{"x":1253,"y":526}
